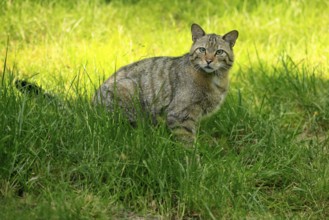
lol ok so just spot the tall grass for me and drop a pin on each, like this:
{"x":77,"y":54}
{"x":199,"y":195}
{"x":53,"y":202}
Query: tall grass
{"x":263,"y":155}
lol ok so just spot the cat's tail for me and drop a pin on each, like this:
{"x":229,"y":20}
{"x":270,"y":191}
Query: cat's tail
{"x":31,"y":89}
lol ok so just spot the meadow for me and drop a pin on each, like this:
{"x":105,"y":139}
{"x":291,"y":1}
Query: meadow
{"x":264,"y":155}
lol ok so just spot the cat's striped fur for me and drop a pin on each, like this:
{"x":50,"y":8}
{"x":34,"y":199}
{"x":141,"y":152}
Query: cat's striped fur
{"x":182,"y":89}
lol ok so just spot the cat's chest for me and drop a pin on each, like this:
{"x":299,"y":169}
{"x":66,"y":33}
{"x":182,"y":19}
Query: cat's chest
{"x":215,"y":94}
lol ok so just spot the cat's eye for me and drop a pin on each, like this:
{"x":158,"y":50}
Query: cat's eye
{"x":202,"y":49}
{"x":220,"y":52}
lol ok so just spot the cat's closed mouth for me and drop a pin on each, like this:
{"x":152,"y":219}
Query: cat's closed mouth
{"x":208,"y":69}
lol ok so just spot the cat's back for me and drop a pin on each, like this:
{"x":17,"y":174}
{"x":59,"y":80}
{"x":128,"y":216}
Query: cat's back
{"x":151,"y":67}
{"x":155,"y":80}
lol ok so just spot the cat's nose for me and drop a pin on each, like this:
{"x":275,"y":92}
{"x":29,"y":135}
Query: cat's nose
{"x":208,"y":61}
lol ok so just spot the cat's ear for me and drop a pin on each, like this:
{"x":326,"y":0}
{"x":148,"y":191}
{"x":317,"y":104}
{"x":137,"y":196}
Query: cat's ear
{"x":197,"y":32}
{"x":231,"y":37}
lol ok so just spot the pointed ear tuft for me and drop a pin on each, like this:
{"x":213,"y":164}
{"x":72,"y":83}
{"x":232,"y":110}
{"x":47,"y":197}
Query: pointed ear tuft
{"x":231,"y":37}
{"x":197,"y":32}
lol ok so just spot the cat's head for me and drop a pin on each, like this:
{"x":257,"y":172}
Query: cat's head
{"x":212,"y":52}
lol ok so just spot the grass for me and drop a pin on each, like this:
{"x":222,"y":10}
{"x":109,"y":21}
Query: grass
{"x":264,"y":155}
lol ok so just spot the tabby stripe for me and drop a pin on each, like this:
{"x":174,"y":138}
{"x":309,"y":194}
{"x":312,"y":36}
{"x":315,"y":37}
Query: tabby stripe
{"x":140,"y":87}
{"x":188,"y":129}
{"x":171,"y":83}
{"x":187,"y":118}
{"x":152,"y":79}
{"x":172,"y":119}
{"x":230,"y":59}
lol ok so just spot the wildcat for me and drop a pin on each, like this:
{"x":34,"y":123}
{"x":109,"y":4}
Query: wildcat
{"x":183,"y":89}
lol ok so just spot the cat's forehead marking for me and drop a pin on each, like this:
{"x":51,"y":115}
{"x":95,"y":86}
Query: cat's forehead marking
{"x":212,"y":40}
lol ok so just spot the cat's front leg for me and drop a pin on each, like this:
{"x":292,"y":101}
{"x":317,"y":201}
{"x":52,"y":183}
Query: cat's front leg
{"x":183,"y":125}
